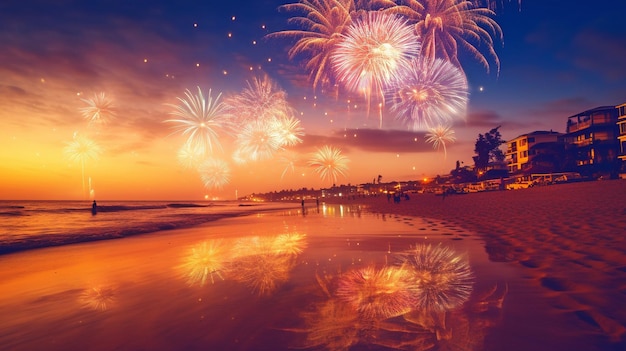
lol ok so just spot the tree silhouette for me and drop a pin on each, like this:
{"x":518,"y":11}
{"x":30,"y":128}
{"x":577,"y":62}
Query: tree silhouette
{"x":487,"y":149}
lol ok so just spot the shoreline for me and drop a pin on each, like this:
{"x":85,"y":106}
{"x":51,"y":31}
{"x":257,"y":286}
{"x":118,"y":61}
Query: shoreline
{"x":569,"y":239}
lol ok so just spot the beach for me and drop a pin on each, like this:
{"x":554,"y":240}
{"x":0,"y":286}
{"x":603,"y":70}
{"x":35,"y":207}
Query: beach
{"x":535,"y":269}
{"x":569,"y":240}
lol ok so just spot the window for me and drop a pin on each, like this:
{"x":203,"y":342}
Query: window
{"x":524,"y":153}
{"x":531,"y":140}
{"x":522,"y":142}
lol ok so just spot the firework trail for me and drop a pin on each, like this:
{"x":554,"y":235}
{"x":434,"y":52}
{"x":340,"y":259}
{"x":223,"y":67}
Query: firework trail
{"x":200,"y":119}
{"x":374,"y":50}
{"x":81,"y":149}
{"x":443,"y":278}
{"x":439,"y":136}
{"x":99,"y":109}
{"x":444,"y":26}
{"x":214,"y":173}
{"x":328,"y":163}
{"x":428,"y":94}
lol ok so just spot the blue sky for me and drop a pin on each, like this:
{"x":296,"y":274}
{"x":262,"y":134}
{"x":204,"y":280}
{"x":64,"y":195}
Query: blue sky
{"x":557,"y":59}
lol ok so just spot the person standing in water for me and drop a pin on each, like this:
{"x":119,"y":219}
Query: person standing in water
{"x":94,"y":207}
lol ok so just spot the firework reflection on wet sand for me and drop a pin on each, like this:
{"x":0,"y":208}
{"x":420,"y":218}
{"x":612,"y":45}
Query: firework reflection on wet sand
{"x":163,"y":290}
{"x":196,"y":288}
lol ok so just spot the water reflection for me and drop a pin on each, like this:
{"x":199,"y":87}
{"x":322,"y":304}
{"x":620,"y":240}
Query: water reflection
{"x":97,"y":298}
{"x":256,"y":283}
{"x":260,"y":262}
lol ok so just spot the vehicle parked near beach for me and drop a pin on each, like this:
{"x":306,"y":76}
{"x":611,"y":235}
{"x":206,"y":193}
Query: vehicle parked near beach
{"x":520,"y":184}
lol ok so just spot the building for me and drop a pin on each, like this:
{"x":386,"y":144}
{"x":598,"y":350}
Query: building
{"x":537,"y":152}
{"x":621,"y":126}
{"x":592,"y":143}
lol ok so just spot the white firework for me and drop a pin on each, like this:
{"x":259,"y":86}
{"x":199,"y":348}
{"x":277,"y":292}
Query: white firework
{"x":429,"y":93}
{"x":201,"y":119}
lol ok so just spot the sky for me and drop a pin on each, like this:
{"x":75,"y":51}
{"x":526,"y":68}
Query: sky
{"x":556,"y":60}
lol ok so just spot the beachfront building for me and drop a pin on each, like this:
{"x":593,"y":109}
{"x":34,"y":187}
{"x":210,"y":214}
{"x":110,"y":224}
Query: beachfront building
{"x":538,"y":152}
{"x":621,"y":126}
{"x":591,"y":140}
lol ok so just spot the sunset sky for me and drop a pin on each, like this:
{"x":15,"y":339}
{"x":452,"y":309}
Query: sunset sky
{"x":557,"y":60}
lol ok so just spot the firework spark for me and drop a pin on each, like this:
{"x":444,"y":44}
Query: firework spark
{"x":99,"y":109}
{"x":378,"y":294}
{"x":289,"y":160}
{"x":439,"y":136}
{"x":443,"y":278}
{"x":495,"y":5}
{"x":215,"y":173}
{"x":429,"y":93}
{"x":329,"y":163}
{"x":205,"y":260}
{"x":201,"y":119}
{"x":444,"y":26}
{"x":81,"y":149}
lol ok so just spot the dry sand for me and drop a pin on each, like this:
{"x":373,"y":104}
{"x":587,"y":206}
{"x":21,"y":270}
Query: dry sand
{"x":569,"y":239}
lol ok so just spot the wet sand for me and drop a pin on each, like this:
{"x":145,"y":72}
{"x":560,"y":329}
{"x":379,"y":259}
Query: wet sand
{"x":548,"y":273}
{"x":569,"y":240}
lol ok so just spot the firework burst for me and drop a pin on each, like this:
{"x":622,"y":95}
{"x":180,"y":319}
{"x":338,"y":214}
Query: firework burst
{"x":428,"y":94}
{"x":99,"y":109}
{"x":321,"y":24}
{"x":443,"y":278}
{"x":204,"y":261}
{"x":444,"y":26}
{"x":439,"y":136}
{"x":328,"y":163}
{"x":200,"y":119}
{"x":287,"y":129}
{"x":257,"y":141}
{"x":373,"y":50}
{"x":215,"y":173}
{"x":190,"y":155}
{"x":262,"y":100}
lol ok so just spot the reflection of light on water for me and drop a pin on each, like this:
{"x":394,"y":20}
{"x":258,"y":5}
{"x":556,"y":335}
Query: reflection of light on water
{"x":205,"y":260}
{"x":97,"y":298}
{"x":260,"y":262}
{"x":263,"y":273}
{"x":378,"y":293}
{"x":290,"y":244}
{"x":444,"y":278}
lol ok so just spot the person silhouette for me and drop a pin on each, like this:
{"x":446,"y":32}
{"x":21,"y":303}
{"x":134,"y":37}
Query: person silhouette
{"x":94,"y":207}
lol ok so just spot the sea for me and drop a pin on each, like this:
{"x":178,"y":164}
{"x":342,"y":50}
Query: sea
{"x":32,"y":224}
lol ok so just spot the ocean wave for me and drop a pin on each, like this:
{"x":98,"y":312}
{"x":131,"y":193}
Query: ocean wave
{"x":27,"y":242}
